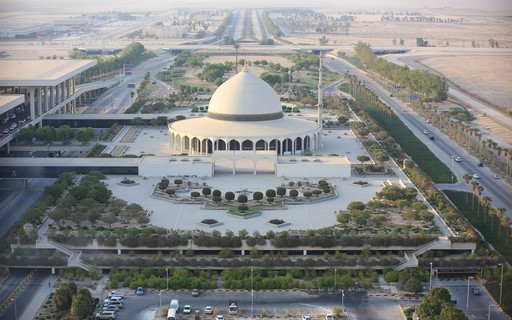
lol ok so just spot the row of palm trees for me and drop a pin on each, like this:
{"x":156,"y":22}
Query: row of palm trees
{"x":464,"y":134}
{"x":487,"y":210}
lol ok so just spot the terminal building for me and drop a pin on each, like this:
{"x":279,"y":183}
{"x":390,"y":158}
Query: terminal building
{"x":31,"y":89}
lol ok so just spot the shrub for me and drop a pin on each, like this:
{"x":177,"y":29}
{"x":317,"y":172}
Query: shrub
{"x":276,"y":221}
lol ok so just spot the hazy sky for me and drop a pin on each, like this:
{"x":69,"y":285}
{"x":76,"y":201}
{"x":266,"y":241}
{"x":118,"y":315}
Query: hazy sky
{"x":100,"y":5}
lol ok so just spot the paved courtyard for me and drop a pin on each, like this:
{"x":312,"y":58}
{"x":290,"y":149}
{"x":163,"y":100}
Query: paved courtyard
{"x":299,"y":217}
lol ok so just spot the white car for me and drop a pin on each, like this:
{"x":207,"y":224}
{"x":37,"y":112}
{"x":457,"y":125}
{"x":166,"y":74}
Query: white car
{"x":208,"y":310}
{"x":187,"y":309}
{"x":496,"y":176}
{"x":306,"y":317}
{"x":219,"y":317}
{"x":476,"y":176}
{"x":329,"y":317}
{"x":426,"y":132}
{"x":458,"y":159}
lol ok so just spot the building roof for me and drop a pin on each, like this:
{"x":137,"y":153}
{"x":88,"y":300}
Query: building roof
{"x":245,"y":97}
{"x":9,"y":101}
{"x":270,"y":129}
{"x":28,"y":73}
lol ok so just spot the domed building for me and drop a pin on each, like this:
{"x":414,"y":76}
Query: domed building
{"x":244,"y":114}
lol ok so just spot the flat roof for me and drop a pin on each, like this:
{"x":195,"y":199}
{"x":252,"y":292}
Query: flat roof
{"x":35,"y":73}
{"x":9,"y":101}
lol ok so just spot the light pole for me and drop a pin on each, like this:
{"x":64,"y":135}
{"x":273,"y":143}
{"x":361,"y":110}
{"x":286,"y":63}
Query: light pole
{"x":501,"y":282}
{"x":452,"y":167}
{"x":252,"y":292}
{"x":430,"y":276}
{"x":467,"y":301}
{"x":335,"y":279}
{"x":489,"y":313}
{"x":342,"y":305}
{"x":48,"y":146}
{"x":167,"y":274}
{"x":160,"y":294}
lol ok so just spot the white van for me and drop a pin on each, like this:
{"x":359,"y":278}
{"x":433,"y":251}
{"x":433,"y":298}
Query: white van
{"x":171,"y":314}
{"x":175,"y":304}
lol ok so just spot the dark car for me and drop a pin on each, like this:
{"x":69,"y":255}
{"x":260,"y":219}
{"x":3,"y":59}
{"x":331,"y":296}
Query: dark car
{"x":475,"y":291}
{"x":480,"y":164}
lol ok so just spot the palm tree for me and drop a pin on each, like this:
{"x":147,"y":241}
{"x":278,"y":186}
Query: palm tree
{"x":479,"y":191}
{"x":506,"y":222}
{"x":474,"y":185}
{"x":500,"y":212}
{"x":467,"y":178}
{"x":486,"y":203}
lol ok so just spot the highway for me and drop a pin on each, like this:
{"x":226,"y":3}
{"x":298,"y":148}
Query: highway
{"x":443,"y":146}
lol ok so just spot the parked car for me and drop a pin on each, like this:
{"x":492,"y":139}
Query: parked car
{"x":306,"y":317}
{"x":329,"y":317}
{"x":187,"y":309}
{"x":195,"y":292}
{"x":105,"y":315}
{"x":208,"y":310}
{"x":219,"y":317}
{"x":475,"y":291}
{"x":140,"y":291}
{"x":111,"y":308}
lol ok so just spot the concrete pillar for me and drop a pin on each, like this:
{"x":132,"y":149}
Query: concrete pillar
{"x":242,"y":252}
{"x":32,"y":105}
{"x":305,"y":252}
{"x":52,"y":97}
{"x":54,"y":271}
{"x":38,"y":102}
{"x":46,"y":99}
{"x":119,"y":251}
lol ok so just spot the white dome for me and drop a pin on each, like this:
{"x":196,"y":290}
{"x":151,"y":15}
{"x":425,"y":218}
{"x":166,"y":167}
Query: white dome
{"x":245,"y":97}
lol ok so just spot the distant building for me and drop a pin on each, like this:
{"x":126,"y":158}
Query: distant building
{"x":166,"y":32}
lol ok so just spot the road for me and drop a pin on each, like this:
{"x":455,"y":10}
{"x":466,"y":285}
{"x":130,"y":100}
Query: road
{"x":443,"y":147}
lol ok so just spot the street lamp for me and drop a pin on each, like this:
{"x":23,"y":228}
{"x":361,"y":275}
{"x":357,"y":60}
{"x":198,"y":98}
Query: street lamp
{"x":501,"y":281}
{"x":467,"y":302}
{"x":342,"y":305}
{"x":160,"y":294}
{"x":167,"y":273}
{"x":335,"y":279}
{"x":489,"y":313}
{"x":48,"y":146}
{"x":452,"y":167}
{"x":430,"y":276}
{"x":252,"y":292}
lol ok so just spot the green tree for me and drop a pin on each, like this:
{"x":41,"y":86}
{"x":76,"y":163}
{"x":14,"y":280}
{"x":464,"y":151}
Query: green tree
{"x":62,"y":297}
{"x":343,"y":218}
{"x":363,"y":159}
{"x":46,"y":134}
{"x":257,"y":196}
{"x":84,"y":135}
{"x":270,"y":193}
{"x":82,"y":304}
{"x":206,"y":191}
{"x":413,"y":285}
{"x":281,"y":191}
{"x":242,"y":198}
{"x":229,"y":196}
{"x":356,"y":205}
{"x":65,"y":133}
{"x":27,"y":133}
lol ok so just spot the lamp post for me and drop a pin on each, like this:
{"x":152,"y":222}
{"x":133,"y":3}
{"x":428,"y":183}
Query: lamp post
{"x":489,"y":313}
{"x":252,"y":292}
{"x":430,"y":276}
{"x":342,"y":305}
{"x":501,"y":282}
{"x":48,"y":146}
{"x":467,"y":301}
{"x":335,"y":279}
{"x":160,"y":294}
{"x":167,"y":274}
{"x":452,"y":167}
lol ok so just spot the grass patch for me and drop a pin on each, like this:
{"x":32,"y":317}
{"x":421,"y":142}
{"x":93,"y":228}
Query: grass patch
{"x":490,"y":232}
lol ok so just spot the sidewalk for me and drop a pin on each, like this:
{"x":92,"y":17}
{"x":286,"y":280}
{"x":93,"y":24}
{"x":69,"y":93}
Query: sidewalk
{"x":42,"y":291}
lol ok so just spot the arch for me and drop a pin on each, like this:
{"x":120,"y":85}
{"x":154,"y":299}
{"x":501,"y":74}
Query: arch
{"x":223,"y":165}
{"x":220,"y":144}
{"x":265,"y":165}
{"x":307,"y":143}
{"x":185,"y":144}
{"x":195,"y":146}
{"x":247,"y":145}
{"x":244,"y":165}
{"x":206,"y":146}
{"x":234,"y":145}
{"x":298,"y":145}
{"x":275,"y":145}
{"x":261,"y":145}
{"x":287,"y":146}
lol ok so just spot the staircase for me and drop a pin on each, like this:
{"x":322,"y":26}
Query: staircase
{"x":411,"y":260}
{"x":74,"y":256}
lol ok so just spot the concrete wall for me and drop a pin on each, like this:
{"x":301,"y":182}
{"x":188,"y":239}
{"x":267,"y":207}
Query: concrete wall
{"x":313,"y":169}
{"x":175,"y":168}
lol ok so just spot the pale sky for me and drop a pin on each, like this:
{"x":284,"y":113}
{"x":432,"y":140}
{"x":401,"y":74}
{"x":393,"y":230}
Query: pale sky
{"x":126,"y":5}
